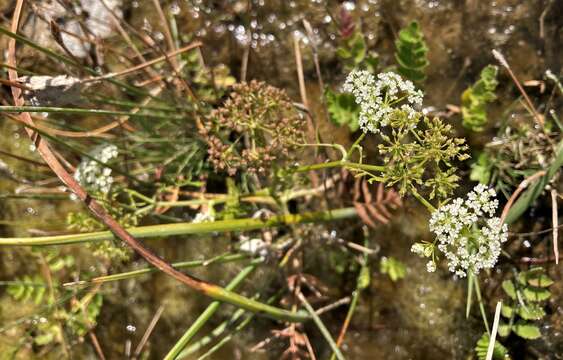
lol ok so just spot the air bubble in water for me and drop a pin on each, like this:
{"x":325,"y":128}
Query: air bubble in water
{"x":175,"y":9}
{"x":131,"y":328}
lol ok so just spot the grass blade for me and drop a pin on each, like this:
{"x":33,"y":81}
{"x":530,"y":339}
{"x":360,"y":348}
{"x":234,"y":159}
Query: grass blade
{"x":209,"y":311}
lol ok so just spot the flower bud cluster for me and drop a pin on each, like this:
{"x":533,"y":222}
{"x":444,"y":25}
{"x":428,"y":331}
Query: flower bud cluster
{"x":91,"y":174}
{"x":380,"y":98}
{"x":467,"y":233}
{"x":256,"y":127}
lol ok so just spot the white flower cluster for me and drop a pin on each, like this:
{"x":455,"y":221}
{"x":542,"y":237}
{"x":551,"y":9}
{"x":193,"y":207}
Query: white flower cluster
{"x":467,"y":233}
{"x":377,"y":98}
{"x":91,"y":174}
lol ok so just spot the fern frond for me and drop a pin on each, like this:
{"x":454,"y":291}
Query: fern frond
{"x":28,"y":289}
{"x":499,"y":353}
{"x":378,"y":210}
{"x":474,"y":100}
{"x":411,"y":53}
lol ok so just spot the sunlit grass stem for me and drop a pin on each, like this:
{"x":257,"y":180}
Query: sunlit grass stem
{"x":208,"y":312}
{"x":187,"y":228}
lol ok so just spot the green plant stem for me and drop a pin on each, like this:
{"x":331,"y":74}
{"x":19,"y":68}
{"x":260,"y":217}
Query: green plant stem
{"x":354,"y":145}
{"x":481,"y":305}
{"x":187,"y":228}
{"x":469,"y":301}
{"x":63,"y":110}
{"x":220,"y":329}
{"x":339,"y":163}
{"x":350,"y":313}
{"x":360,"y":285}
{"x":322,"y":328}
{"x":209,"y":311}
{"x":179,"y":265}
{"x":423,"y":201}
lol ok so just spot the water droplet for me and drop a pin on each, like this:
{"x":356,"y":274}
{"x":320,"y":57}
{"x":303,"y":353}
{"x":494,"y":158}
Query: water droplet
{"x":175,"y":9}
{"x":159,"y":36}
{"x":131,"y":328}
{"x":349,"y":5}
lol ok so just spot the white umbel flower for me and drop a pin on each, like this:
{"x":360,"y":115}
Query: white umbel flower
{"x":379,"y":98}
{"x":91,"y":174}
{"x":467,"y":233}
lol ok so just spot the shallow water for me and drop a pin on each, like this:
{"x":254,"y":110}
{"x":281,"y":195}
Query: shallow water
{"x":419,"y":317}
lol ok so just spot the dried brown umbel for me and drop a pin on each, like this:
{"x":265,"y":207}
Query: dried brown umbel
{"x":255,"y":129}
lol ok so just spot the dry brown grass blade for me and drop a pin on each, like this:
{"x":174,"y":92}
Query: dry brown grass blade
{"x":44,"y":149}
{"x":148,"y":332}
{"x":146,"y":63}
{"x":502,"y":60}
{"x":64,"y":133}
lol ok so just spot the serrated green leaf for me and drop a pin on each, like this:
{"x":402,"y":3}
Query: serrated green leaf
{"x":504,"y":330}
{"x":509,"y":289}
{"x":541,"y":280}
{"x":411,"y":53}
{"x":536,"y":277}
{"x":531,"y":312}
{"x":343,"y":109}
{"x":532,"y":293}
{"x":500,"y":352}
{"x":393,"y":267}
{"x":474,"y":100}
{"x":526,"y":330}
{"x":507,"y":311}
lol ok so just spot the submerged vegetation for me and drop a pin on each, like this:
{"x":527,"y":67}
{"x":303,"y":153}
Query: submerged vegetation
{"x":186,"y":188}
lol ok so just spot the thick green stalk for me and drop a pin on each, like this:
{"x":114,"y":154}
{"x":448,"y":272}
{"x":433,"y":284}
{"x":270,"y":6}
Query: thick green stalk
{"x":208,"y":312}
{"x":423,"y":201}
{"x":339,"y":163}
{"x":186,"y":228}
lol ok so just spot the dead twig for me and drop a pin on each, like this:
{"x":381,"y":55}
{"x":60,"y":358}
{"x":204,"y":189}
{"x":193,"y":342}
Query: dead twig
{"x":555,"y":221}
{"x":148,"y":332}
{"x":96,"y":344}
{"x":502,"y":60}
